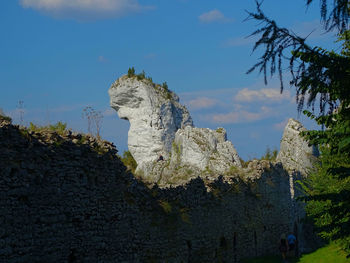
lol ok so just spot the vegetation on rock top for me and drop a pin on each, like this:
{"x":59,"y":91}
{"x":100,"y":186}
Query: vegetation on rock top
{"x":4,"y":117}
{"x":60,"y":128}
{"x":57,"y":135}
{"x":167,"y":94}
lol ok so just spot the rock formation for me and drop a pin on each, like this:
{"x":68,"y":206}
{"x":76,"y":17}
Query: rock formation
{"x":203,"y":148}
{"x":295,"y":154}
{"x":67,"y":197}
{"x":154,"y":113}
{"x":160,"y":125}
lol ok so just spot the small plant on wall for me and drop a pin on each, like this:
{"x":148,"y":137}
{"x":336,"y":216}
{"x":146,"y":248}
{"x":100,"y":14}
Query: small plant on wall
{"x":129,"y":161}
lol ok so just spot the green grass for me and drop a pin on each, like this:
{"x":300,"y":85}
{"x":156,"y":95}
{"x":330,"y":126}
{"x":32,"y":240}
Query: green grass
{"x":328,"y":254}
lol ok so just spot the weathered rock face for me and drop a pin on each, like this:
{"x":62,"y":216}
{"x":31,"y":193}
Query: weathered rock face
{"x":160,"y":125}
{"x":154,"y":113}
{"x":295,"y":153}
{"x":204,"y":149}
{"x":158,"y":122}
{"x":196,"y":152}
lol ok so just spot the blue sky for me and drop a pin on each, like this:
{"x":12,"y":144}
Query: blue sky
{"x":59,"y":56}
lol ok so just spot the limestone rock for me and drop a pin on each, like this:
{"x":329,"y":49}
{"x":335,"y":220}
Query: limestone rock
{"x":204,"y":149}
{"x":295,"y":153}
{"x":154,"y":113}
{"x":160,"y":125}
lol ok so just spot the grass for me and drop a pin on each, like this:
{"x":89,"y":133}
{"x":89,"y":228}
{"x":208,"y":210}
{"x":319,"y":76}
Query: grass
{"x":60,"y":128}
{"x":166,"y":206}
{"x":328,"y":254}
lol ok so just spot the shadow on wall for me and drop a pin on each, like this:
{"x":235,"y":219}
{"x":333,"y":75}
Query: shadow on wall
{"x":68,"y":199}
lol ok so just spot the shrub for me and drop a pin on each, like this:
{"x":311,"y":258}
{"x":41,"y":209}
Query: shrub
{"x":244,"y":163}
{"x":166,"y":206}
{"x":142,"y":75}
{"x":59,"y":127}
{"x":220,"y":130}
{"x":4,"y":117}
{"x":131,"y":72}
{"x":270,"y":155}
{"x":165,"y":86}
{"x":129,"y":161}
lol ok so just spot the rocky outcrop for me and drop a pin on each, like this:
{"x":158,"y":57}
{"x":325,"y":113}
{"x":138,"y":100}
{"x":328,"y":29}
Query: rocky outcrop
{"x":196,"y":152}
{"x":160,"y":125}
{"x":295,"y":154}
{"x":154,"y":113}
{"x":203,"y":149}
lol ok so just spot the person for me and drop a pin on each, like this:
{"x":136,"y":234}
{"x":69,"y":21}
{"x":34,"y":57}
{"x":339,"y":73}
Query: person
{"x":160,"y":158}
{"x":292,"y":240}
{"x":283,"y":246}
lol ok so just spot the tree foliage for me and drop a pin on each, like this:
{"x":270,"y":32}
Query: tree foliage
{"x":337,"y":18}
{"x":314,"y":71}
{"x":270,"y":155}
{"x":131,"y":72}
{"x":319,"y":76}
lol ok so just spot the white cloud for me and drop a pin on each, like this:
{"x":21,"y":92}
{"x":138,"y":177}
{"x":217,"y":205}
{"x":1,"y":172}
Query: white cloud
{"x":201,"y":103}
{"x":265,"y":94}
{"x":240,"y":116}
{"x":213,"y":16}
{"x":102,"y":59}
{"x":84,"y":9}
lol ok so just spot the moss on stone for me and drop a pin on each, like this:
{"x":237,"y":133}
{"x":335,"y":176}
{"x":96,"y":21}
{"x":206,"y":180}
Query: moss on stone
{"x":220,"y":130}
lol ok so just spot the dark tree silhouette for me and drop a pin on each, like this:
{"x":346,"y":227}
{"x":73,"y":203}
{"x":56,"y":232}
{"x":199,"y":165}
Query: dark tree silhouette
{"x":319,"y":76}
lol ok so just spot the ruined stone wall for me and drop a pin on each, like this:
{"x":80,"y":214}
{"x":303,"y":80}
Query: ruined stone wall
{"x":68,"y":198}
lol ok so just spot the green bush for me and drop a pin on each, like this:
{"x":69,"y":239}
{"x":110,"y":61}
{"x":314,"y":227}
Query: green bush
{"x":142,"y":75}
{"x":129,"y":161}
{"x":166,"y":206}
{"x":244,"y":163}
{"x":4,"y":117}
{"x":165,"y":86}
{"x":270,"y":155}
{"x":131,"y":72}
{"x":59,"y":127}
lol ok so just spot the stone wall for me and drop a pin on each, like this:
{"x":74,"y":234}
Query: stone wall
{"x":68,"y":198}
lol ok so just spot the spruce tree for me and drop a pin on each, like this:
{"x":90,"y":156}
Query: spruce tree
{"x":320,"y":77}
